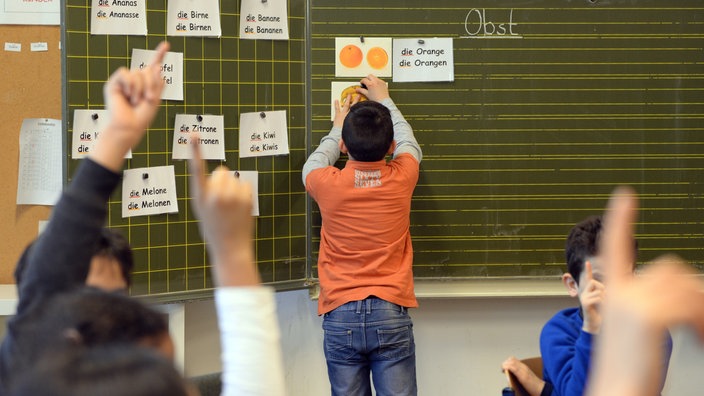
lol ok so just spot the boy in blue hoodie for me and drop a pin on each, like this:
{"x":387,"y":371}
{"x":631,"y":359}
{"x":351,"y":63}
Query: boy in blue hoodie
{"x":567,"y":338}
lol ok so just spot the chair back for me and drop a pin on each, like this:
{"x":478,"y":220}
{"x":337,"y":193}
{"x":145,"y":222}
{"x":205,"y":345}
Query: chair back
{"x":536,"y":365}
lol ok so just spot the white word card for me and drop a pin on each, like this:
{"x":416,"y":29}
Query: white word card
{"x":87,"y":126}
{"x":266,"y":20}
{"x":171,"y":71}
{"x":40,"y":167}
{"x":211,"y":135}
{"x":27,"y":12}
{"x":118,"y":17}
{"x":193,"y":18}
{"x":148,"y":191}
{"x":251,"y":177}
{"x":13,"y":47}
{"x":423,"y":60}
{"x":263,"y":134}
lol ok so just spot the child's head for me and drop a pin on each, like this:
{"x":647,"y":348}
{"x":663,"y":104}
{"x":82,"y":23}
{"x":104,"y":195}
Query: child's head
{"x":112,"y":370}
{"x":91,"y":318}
{"x":583,"y":244}
{"x":110,"y":266}
{"x":112,"y":262}
{"x":367,"y":132}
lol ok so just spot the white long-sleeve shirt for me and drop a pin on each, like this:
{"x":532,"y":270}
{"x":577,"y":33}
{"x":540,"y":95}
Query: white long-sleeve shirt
{"x":251,"y":342}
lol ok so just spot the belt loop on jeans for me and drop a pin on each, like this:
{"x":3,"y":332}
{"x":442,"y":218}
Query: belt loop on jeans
{"x":359,"y":307}
{"x":368,"y":303}
{"x":403,"y":309}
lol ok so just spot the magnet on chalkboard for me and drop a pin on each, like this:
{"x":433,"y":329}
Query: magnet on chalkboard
{"x":94,"y":116}
{"x":263,"y":1}
{"x":262,"y":115}
{"x":421,"y":41}
{"x":237,"y":174}
{"x":361,"y":39}
{"x":145,"y":176}
{"x":199,"y":118}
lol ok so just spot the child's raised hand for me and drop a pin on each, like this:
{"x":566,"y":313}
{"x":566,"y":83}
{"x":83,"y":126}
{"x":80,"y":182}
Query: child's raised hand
{"x":639,"y":309}
{"x":341,"y":111}
{"x":666,"y":293}
{"x":590,"y":299}
{"x":132,"y":98}
{"x":223,"y":203}
{"x":377,"y":90}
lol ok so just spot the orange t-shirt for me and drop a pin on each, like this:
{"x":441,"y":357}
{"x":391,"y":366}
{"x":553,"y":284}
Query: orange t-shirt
{"x":365,"y":239}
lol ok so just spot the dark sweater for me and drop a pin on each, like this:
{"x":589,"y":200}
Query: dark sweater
{"x":58,"y":261}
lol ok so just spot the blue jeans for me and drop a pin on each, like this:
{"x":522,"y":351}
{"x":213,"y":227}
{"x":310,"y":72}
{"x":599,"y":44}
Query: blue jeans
{"x":371,"y":335}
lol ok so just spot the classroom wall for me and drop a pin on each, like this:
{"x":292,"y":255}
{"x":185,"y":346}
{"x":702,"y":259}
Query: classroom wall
{"x":460,"y":344}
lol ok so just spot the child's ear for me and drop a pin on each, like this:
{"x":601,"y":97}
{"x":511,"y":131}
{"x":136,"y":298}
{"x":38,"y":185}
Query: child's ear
{"x":571,"y":285}
{"x":343,"y":148}
{"x":392,"y":148}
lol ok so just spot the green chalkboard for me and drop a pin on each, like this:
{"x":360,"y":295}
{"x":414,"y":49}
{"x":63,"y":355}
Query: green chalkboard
{"x":554,"y":103}
{"x":223,"y":76}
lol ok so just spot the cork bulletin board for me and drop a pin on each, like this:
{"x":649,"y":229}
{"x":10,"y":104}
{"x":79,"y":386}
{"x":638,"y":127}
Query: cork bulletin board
{"x":30,"y":88}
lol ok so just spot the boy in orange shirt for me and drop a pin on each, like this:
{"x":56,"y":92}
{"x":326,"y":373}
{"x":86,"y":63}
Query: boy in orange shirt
{"x":365,"y":255}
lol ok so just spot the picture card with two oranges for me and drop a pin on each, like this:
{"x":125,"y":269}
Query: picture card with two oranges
{"x":361,"y":56}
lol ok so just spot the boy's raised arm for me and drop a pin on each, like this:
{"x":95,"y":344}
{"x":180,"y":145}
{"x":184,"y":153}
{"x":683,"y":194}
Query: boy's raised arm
{"x":59,"y":259}
{"x":639,"y":309}
{"x":249,"y":330}
{"x":328,"y":151}
{"x":377,"y":90}
{"x":132,"y":98}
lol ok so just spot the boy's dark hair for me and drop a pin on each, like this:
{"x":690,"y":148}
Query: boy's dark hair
{"x":113,"y":244}
{"x":86,"y":318}
{"x":100,"y":318}
{"x":582,"y":243}
{"x":368,"y":131}
{"x":114,"y":370}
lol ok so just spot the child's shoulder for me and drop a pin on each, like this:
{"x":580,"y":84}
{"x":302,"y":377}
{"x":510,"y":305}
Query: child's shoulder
{"x":564,"y":317}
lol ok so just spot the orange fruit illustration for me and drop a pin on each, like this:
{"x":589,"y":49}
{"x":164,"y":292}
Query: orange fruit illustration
{"x":377,"y":58}
{"x":351,"y":56}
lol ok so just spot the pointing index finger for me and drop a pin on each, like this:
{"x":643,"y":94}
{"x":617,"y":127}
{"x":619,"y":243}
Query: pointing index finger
{"x":617,"y":238}
{"x":160,"y":53}
{"x":588,"y":275}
